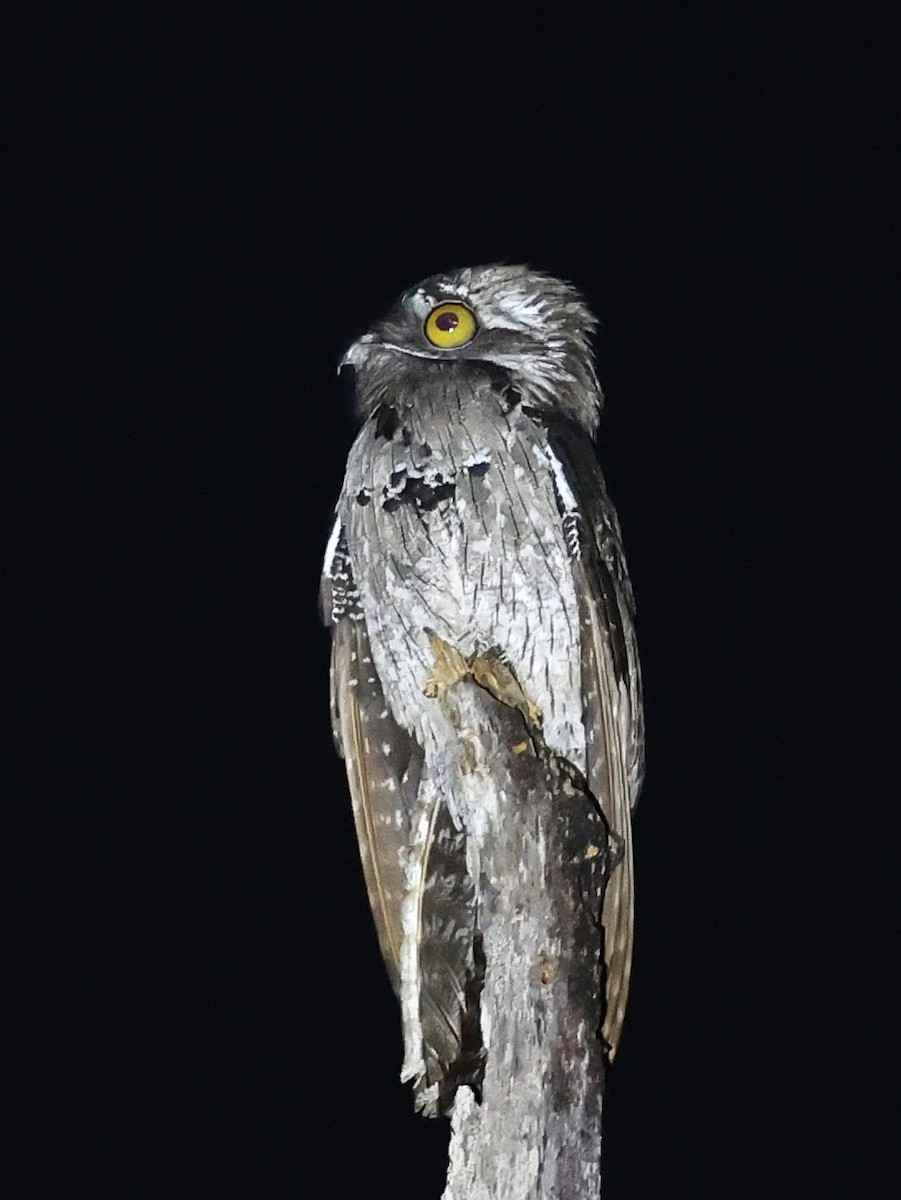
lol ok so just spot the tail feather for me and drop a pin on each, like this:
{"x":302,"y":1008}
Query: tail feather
{"x":449,"y":971}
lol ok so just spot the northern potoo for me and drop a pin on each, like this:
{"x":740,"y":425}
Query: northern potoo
{"x":474,"y":537}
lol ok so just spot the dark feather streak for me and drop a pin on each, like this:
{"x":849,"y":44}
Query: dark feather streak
{"x":386,"y":421}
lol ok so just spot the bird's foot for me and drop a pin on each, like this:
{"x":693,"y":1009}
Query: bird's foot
{"x":448,"y":668}
{"x":493,"y":674}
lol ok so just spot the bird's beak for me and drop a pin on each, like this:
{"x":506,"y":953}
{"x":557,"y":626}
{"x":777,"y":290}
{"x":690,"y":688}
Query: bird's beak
{"x":357,"y":351}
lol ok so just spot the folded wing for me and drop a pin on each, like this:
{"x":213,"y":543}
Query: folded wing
{"x":611,"y":688}
{"x":413,"y":857}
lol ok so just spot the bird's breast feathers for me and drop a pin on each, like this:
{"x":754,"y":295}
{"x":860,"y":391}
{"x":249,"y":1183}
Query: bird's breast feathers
{"x":454,"y":516}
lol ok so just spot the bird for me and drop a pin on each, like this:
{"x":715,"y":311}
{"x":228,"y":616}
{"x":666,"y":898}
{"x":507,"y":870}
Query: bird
{"x":473,"y":535}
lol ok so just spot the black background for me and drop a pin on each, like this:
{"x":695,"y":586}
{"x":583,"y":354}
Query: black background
{"x":217,"y":202}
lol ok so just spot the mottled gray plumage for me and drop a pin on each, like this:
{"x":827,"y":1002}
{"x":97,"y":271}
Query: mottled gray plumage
{"x":473,"y":516}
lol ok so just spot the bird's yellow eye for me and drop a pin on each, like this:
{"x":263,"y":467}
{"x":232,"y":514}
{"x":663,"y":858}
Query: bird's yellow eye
{"x":451,"y":325}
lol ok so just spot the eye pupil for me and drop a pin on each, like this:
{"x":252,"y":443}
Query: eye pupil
{"x":447,"y":321}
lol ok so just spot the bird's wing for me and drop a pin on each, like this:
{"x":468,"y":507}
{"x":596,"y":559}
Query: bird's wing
{"x":383,"y":761}
{"x":611,"y":687}
{"x":414,"y":857}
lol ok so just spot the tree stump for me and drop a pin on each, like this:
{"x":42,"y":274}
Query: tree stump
{"x":540,"y":847}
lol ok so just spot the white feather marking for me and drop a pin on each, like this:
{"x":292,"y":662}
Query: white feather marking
{"x":331,"y":548}
{"x":476,"y":460}
{"x":561,"y":483}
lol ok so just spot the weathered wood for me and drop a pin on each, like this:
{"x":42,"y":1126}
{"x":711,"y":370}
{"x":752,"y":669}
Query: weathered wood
{"x":539,"y":845}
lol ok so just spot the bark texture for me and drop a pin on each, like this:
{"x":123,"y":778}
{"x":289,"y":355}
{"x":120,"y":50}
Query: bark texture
{"x":541,"y":853}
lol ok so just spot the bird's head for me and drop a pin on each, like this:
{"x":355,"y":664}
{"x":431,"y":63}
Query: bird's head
{"x":535,"y":328}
